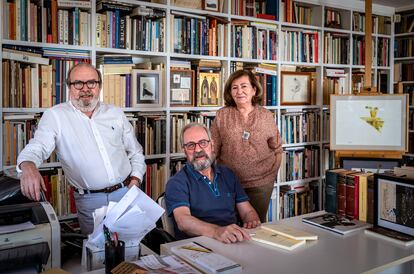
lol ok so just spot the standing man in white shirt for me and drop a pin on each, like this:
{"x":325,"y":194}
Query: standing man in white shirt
{"x":95,"y":143}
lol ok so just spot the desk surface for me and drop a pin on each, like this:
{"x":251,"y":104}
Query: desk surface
{"x":331,"y":253}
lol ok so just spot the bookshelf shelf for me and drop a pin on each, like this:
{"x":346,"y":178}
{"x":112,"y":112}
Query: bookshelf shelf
{"x":165,"y":59}
{"x":43,"y":45}
{"x":406,"y":34}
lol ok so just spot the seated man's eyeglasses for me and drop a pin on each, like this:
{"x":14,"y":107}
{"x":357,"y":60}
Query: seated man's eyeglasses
{"x":191,"y":145}
{"x":79,"y":84}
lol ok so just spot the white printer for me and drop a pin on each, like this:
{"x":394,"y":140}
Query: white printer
{"x":29,"y":236}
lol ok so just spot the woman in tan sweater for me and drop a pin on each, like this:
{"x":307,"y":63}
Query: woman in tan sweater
{"x":246,"y":139}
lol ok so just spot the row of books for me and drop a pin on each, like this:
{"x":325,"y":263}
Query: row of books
{"x":254,"y":40}
{"x":150,"y":130}
{"x":336,"y":48}
{"x":300,"y":163}
{"x":350,"y":193}
{"x":333,"y":18}
{"x":299,"y":200}
{"x":256,"y":8}
{"x":383,"y":50}
{"x":195,"y":34}
{"x":59,"y":192}
{"x":299,"y":46}
{"x":300,"y":127}
{"x":406,"y":22}
{"x":403,"y":72}
{"x":296,"y":12}
{"x":380,"y":24}
{"x":335,"y":82}
{"x":46,"y":21}
{"x":143,"y":29}
{"x":179,"y":120}
{"x":404,"y":47}
{"x":31,"y":80}
{"x":154,"y":179}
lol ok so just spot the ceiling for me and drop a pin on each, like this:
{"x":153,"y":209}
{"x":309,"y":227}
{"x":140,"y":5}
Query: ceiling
{"x":393,"y":3}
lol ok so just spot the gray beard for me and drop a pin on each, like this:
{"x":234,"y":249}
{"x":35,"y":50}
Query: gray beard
{"x":204,"y":164}
{"x":85,"y":108}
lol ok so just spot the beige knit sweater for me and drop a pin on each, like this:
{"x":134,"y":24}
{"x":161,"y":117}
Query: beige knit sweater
{"x":255,"y":159}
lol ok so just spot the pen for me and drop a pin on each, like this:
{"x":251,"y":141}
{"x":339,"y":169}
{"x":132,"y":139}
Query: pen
{"x":195,"y":249}
{"x":107,"y":233}
{"x":115,"y":239}
{"x":203,"y":246}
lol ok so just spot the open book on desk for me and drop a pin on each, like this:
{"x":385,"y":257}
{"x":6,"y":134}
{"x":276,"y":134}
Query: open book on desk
{"x":205,"y":259}
{"x":336,"y":223}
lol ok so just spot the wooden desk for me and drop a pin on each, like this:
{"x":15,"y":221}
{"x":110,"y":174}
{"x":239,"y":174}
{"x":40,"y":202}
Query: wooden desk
{"x":331,"y":253}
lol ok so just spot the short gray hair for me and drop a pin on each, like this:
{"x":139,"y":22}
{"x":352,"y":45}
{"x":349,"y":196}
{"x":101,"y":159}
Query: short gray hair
{"x":191,"y":125}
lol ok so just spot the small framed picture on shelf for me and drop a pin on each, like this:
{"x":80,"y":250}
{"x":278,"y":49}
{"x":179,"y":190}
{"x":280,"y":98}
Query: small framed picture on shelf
{"x":296,"y":88}
{"x":212,"y":5}
{"x":146,"y":87}
{"x":181,"y":87}
{"x":209,"y":92}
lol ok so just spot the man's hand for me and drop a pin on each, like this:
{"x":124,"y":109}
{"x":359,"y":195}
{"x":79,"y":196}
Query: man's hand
{"x":231,"y":234}
{"x":134,"y":182}
{"x":31,"y":182}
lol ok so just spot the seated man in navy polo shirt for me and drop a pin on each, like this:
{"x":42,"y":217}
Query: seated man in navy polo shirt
{"x":203,"y":197}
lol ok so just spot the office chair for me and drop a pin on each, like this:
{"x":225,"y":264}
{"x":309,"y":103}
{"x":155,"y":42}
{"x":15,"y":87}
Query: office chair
{"x":163,"y":233}
{"x":166,"y":221}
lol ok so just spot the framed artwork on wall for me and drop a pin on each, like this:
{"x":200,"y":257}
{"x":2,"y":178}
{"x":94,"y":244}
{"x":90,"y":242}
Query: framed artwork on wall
{"x":367,"y":123}
{"x":212,"y":5}
{"x":209,"y":91}
{"x":146,"y":88}
{"x":295,"y":88}
{"x":181,"y":87}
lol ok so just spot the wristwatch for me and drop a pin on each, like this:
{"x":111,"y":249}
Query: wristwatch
{"x":135,"y":178}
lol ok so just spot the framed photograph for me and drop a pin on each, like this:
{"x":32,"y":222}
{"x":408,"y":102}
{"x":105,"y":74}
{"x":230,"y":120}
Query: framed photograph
{"x":209,"y":91}
{"x":393,"y":204}
{"x":181,"y":87}
{"x":146,"y":87}
{"x":367,"y":123}
{"x":212,"y":5}
{"x":296,"y":88}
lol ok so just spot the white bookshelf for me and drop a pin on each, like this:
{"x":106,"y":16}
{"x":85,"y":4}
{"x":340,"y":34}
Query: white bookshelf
{"x":346,"y":8}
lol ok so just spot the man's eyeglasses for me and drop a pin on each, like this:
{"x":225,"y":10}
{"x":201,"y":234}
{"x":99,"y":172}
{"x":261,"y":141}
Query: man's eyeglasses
{"x":79,"y":84}
{"x":191,"y":145}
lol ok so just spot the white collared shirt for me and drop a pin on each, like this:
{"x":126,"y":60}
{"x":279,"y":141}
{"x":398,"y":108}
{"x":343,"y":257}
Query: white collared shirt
{"x":95,"y":152}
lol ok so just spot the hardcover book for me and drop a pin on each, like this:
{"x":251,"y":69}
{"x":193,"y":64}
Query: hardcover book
{"x":271,"y":238}
{"x":336,"y":223}
{"x":390,"y":235}
{"x":289,"y":232}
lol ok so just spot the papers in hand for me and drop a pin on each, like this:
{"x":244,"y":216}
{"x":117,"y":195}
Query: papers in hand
{"x":132,"y":218}
{"x":204,"y":259}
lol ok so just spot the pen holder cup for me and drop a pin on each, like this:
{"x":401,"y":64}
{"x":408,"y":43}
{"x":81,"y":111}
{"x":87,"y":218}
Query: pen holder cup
{"x":114,"y":255}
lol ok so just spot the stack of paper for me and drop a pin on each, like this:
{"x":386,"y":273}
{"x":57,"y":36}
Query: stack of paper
{"x":281,"y":236}
{"x":132,"y":218}
{"x":205,"y":259}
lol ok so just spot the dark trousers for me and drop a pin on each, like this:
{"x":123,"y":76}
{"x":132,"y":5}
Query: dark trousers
{"x":260,"y":198}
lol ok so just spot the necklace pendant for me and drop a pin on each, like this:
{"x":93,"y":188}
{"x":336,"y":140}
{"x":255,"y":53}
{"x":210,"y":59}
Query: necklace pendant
{"x":246,"y":135}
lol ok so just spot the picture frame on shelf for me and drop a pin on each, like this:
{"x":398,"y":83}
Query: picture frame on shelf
{"x":295,"y":88}
{"x":369,"y":122}
{"x":209,"y":89}
{"x":212,"y":5}
{"x":146,"y":88}
{"x":181,"y":87}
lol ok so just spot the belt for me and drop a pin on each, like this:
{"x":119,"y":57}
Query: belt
{"x":108,"y":189}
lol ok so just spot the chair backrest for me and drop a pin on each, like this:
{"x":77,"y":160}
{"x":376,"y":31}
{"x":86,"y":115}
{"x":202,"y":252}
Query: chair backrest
{"x":167,"y":222}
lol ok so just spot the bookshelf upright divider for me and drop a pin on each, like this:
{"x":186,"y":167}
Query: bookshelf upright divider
{"x":306,"y":20}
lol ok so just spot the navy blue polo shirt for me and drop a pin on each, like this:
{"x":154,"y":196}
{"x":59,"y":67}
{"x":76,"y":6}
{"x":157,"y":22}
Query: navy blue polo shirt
{"x":212,"y":202}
